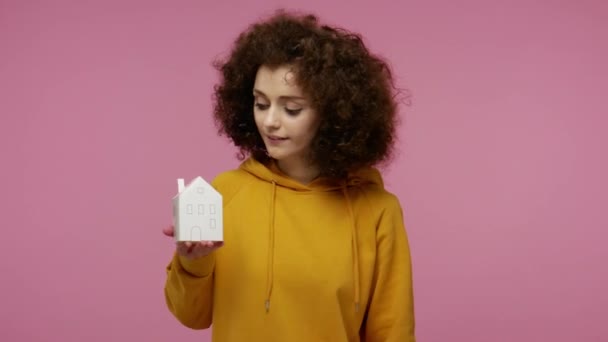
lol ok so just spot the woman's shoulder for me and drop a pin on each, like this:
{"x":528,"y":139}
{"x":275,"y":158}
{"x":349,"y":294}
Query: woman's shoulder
{"x":228,"y":183}
{"x":371,"y":188}
{"x":379,"y":197}
{"x":228,"y":177}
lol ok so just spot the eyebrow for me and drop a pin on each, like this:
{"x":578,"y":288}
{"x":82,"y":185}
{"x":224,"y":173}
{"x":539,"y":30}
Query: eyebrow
{"x":283,"y":97}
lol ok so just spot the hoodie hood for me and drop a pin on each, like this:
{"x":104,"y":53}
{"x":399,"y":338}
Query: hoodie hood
{"x":276,"y":178}
{"x":271,"y":173}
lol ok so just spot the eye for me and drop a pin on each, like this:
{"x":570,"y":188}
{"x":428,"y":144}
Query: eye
{"x":293,"y":112}
{"x":261,"y":106}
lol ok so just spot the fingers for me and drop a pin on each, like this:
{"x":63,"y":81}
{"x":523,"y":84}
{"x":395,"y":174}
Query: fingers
{"x":182,"y":249}
{"x":197,"y":249}
{"x":169,"y":231}
{"x":186,"y":249}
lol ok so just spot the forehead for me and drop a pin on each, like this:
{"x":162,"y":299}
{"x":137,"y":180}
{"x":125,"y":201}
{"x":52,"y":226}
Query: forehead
{"x":278,"y":81}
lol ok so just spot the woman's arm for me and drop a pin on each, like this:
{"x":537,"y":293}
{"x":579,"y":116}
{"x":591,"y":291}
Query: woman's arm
{"x":391,"y":309}
{"x":189,"y":290}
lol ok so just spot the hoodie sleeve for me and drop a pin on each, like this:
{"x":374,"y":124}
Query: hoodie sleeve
{"x":189,"y":290}
{"x":189,"y":284}
{"x":390,"y":314}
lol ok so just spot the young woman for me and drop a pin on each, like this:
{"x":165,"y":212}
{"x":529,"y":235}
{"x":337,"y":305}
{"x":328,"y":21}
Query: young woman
{"x":315,"y":247}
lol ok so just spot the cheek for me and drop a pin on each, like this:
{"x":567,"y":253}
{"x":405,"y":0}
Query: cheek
{"x":313,"y":127}
{"x":258,"y":119}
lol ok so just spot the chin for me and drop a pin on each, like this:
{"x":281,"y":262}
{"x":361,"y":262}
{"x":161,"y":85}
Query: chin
{"x":272,"y":154}
{"x":281,"y":154}
{"x":276,"y":156}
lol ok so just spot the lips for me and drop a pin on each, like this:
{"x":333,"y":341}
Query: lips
{"x":275,"y":138}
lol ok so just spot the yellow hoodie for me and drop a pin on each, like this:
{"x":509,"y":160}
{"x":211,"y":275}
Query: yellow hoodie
{"x":324,"y":261}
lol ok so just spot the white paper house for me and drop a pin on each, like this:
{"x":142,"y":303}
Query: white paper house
{"x":197,"y":212}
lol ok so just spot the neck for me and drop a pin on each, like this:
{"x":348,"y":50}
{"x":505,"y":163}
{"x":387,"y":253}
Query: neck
{"x":300,"y":171}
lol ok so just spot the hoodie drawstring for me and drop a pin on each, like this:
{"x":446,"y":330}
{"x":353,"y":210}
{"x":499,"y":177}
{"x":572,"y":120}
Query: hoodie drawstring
{"x":270,"y":275}
{"x":270,"y":266}
{"x":355,"y":247}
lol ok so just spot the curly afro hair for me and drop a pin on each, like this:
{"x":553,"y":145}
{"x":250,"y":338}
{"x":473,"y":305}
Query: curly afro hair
{"x":351,"y":89}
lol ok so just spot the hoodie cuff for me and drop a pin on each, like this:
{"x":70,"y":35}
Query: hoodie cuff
{"x":200,"y":267}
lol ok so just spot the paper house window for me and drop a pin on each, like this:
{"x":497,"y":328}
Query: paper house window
{"x":197,"y":212}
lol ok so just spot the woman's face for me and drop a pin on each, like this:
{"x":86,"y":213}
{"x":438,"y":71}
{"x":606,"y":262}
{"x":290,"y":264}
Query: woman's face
{"x":284,"y":115}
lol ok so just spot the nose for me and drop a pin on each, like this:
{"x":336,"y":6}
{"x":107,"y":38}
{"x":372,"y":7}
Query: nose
{"x":272,"y":119}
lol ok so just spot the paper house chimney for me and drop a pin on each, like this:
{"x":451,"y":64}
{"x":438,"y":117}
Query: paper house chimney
{"x":197,"y":212}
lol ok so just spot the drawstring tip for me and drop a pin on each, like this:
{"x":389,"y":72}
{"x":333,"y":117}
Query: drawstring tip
{"x":267,"y":305}
{"x":356,"y":307}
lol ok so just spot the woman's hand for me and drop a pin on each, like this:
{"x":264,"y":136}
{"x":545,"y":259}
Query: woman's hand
{"x":193,"y":249}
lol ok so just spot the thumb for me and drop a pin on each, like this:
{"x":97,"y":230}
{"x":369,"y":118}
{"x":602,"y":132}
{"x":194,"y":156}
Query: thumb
{"x":169,"y":231}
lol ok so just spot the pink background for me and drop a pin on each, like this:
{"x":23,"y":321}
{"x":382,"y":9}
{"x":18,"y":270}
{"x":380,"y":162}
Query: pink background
{"x":502,"y":165}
